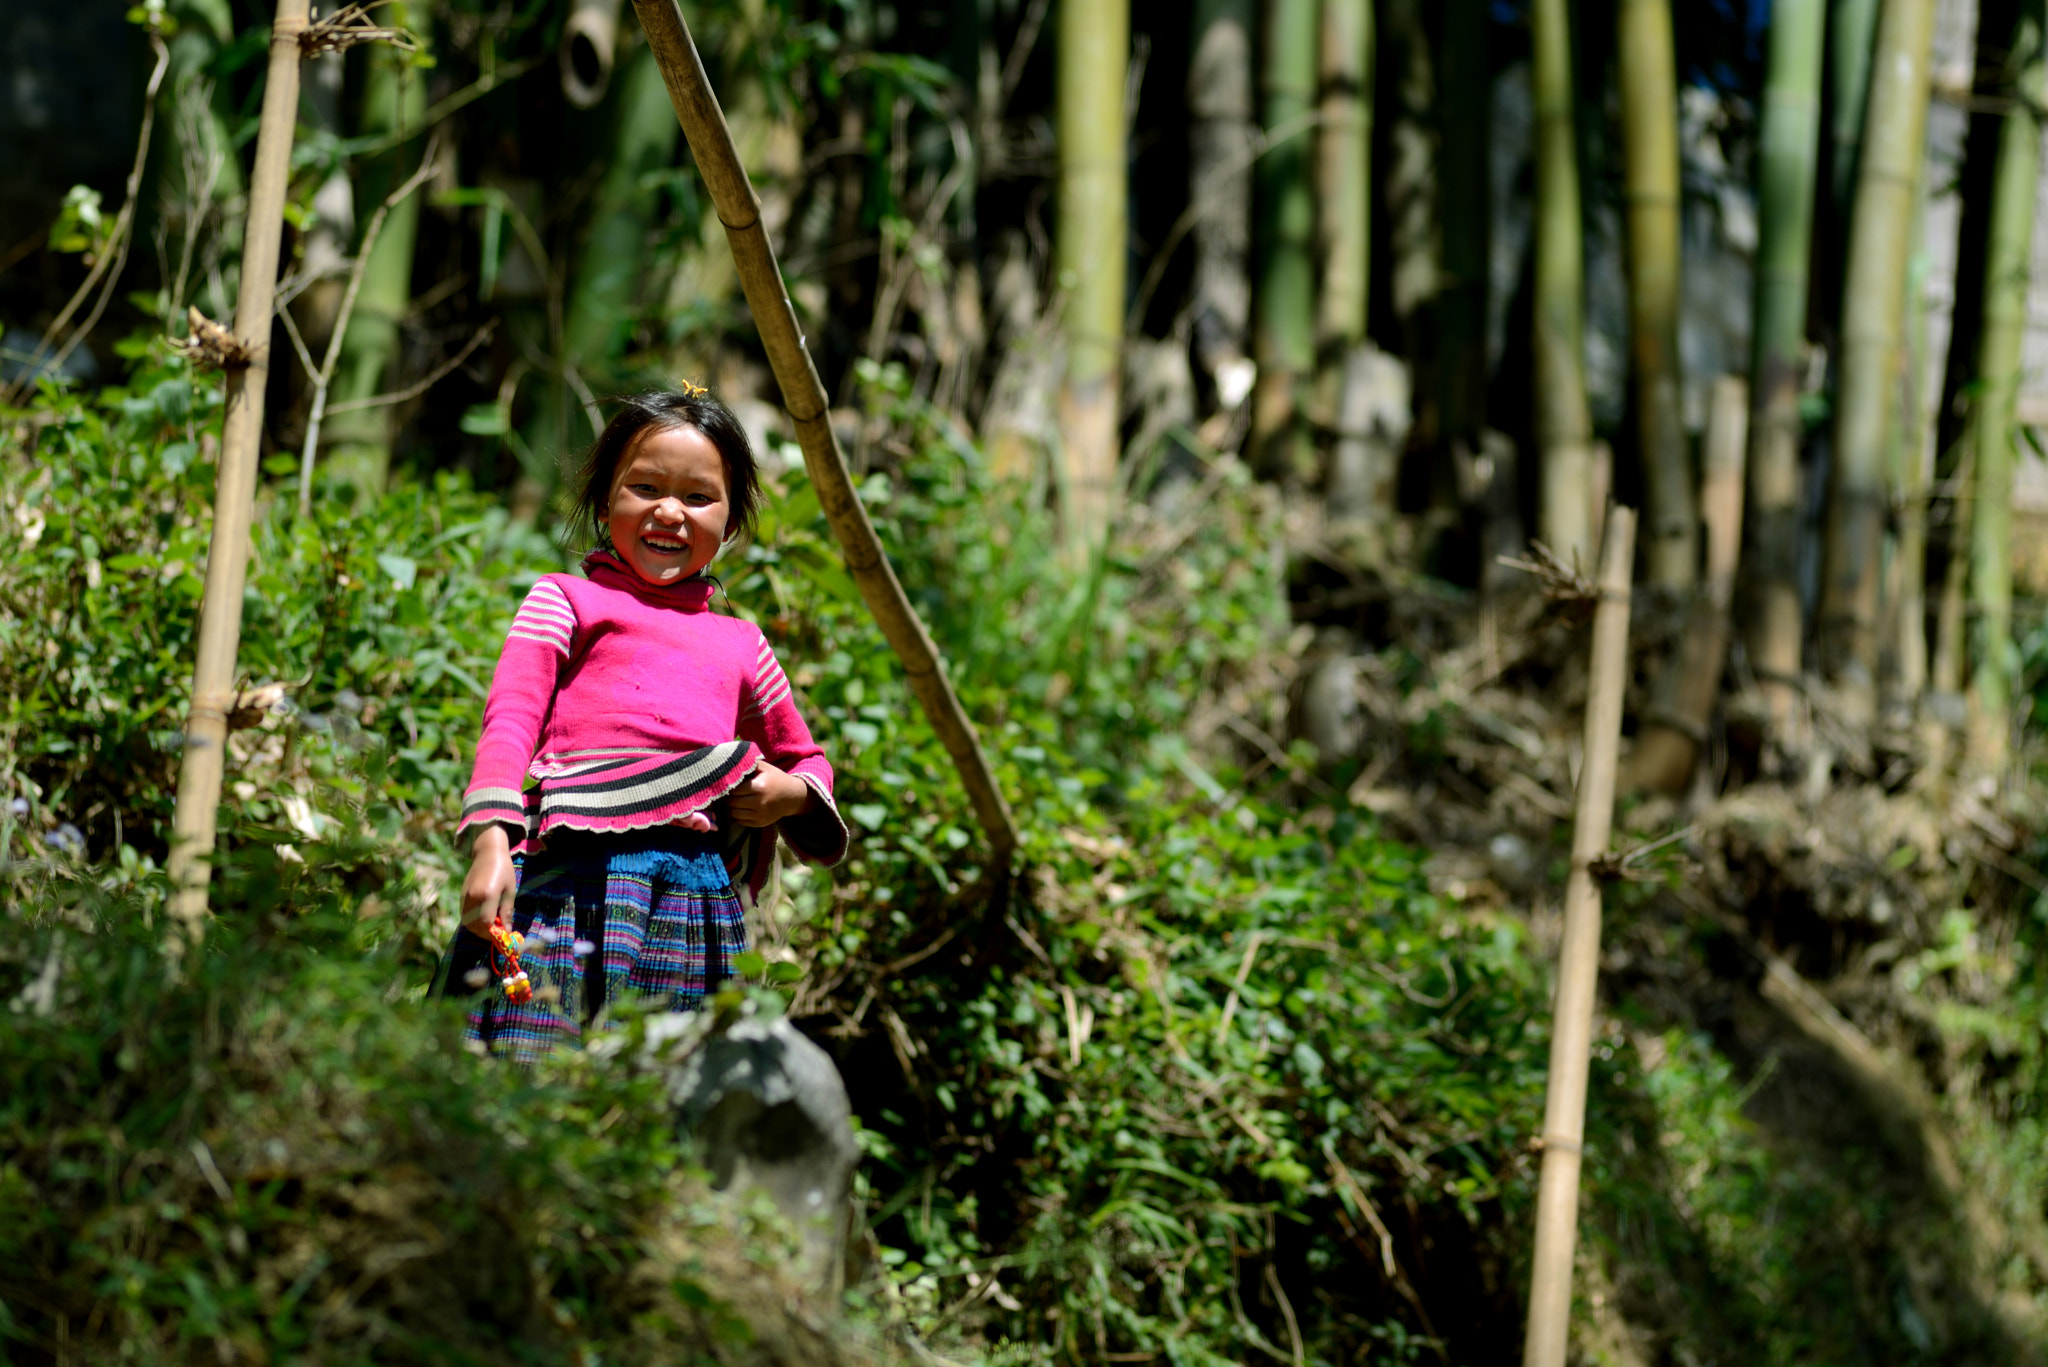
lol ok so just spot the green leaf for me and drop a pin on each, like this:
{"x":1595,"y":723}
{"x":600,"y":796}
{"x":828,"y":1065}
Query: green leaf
{"x":402,"y":569}
{"x":750,"y":963}
{"x":484,"y":420}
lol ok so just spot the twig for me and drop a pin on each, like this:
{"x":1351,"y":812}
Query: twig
{"x":1286,"y":1313}
{"x":381,"y":143}
{"x":434,"y":377}
{"x":1561,"y":583}
{"x":1020,"y":51}
{"x":207,"y":345}
{"x":1616,"y":867}
{"x":1244,"y":971}
{"x":348,"y":305}
{"x":115,"y":251}
{"x":351,"y":25}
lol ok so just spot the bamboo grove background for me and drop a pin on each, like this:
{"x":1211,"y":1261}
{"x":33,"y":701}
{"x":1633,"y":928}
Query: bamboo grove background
{"x":1202,"y":365}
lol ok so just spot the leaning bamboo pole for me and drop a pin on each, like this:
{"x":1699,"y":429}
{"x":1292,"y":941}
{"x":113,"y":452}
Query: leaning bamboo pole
{"x":1873,"y":305}
{"x":1571,"y":1033}
{"x":1787,"y":158}
{"x":2006,"y":275}
{"x":227,"y":555}
{"x":1647,"y":71}
{"x":718,"y":161}
{"x":1564,"y":426}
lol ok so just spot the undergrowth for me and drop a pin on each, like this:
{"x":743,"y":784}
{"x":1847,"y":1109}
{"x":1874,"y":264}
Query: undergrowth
{"x":1214,"y":1077}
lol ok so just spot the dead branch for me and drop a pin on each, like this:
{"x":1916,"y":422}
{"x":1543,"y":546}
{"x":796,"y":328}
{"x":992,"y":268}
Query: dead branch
{"x":209,"y":346}
{"x":350,"y":26}
{"x":348,"y":305}
{"x":434,"y":377}
{"x":1564,"y":585}
{"x":113,"y":257}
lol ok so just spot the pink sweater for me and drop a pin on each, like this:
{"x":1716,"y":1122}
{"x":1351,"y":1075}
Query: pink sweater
{"x":634,"y":705}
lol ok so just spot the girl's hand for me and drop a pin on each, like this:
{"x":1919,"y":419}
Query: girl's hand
{"x":488,"y":891}
{"x":767,"y":795}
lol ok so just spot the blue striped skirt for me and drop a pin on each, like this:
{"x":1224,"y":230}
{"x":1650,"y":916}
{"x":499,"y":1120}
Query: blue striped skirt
{"x":649,"y":913}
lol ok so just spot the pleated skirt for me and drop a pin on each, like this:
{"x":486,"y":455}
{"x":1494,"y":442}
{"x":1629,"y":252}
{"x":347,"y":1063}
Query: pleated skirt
{"x":606,"y":916}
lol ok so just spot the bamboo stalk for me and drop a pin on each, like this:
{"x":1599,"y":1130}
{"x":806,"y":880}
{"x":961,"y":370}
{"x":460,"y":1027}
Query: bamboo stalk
{"x":1880,"y":242}
{"x":227,"y":556}
{"x":1222,"y":145}
{"x":1571,"y":1036}
{"x":395,"y":98}
{"x":1648,"y":75}
{"x":1284,"y":306}
{"x":1564,"y":426}
{"x":1786,"y":170}
{"x":324,"y":376}
{"x":725,"y":179}
{"x":1089,"y":251}
{"x":2007,"y":248}
{"x":1854,"y":29}
{"x":1344,"y":180}
{"x":1668,"y":746}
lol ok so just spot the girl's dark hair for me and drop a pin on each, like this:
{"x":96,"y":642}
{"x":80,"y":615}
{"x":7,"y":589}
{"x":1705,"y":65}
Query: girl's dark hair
{"x":665,"y":410}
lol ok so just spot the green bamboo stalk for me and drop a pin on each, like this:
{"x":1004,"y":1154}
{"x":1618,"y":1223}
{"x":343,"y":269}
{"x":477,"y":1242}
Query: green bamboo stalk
{"x":1283,"y":336}
{"x":1880,"y":245}
{"x":394,"y":99}
{"x":1854,"y":32}
{"x":614,"y":255}
{"x":1094,"y":48}
{"x":1464,"y":208}
{"x":1344,"y":179}
{"x":1787,"y":168}
{"x":1564,"y":427}
{"x":1905,"y":653}
{"x":1649,"y":125}
{"x":1222,"y":141}
{"x":1993,"y":657}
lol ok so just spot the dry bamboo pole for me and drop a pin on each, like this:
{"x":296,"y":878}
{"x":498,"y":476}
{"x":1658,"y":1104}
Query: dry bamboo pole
{"x":1571,"y":1035}
{"x":803,"y":395}
{"x":227,"y":555}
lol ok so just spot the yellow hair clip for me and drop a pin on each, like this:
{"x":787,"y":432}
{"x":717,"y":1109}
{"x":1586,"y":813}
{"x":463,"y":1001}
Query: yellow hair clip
{"x":692,"y":391}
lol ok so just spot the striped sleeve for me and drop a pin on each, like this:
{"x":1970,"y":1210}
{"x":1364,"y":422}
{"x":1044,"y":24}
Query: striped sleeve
{"x":546,"y":617}
{"x":770,"y":686}
{"x":539,"y":643}
{"x":769,"y":717}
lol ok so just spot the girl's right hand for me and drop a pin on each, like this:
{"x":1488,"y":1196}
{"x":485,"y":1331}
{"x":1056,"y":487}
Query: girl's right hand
{"x":488,"y":891}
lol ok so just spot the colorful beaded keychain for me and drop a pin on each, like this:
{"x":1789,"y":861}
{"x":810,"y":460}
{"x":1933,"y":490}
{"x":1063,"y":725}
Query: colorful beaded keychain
{"x":505,"y":947}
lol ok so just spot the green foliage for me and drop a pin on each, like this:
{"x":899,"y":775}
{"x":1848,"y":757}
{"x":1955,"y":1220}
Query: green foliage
{"x":383,"y":619}
{"x":251,"y":1155}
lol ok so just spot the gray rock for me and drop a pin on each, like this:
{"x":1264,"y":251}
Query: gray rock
{"x":769,"y":1112}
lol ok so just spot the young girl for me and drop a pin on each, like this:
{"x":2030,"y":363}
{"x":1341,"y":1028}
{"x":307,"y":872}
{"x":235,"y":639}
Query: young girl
{"x":639,"y":754}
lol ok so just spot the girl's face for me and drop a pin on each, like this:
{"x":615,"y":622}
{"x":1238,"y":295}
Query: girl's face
{"x":668,"y":506}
